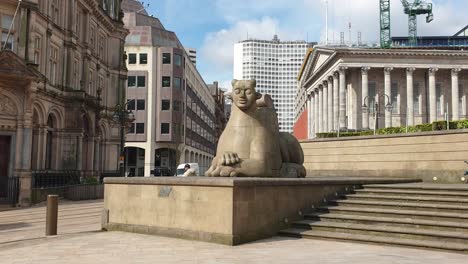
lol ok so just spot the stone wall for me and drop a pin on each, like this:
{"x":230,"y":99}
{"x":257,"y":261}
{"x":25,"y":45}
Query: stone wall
{"x":431,"y":156}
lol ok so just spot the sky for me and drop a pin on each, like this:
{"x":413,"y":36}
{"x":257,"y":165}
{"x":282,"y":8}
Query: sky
{"x":214,"y":26}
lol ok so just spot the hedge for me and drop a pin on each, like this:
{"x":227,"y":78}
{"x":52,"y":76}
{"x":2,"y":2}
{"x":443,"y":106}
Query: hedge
{"x":434,"y":126}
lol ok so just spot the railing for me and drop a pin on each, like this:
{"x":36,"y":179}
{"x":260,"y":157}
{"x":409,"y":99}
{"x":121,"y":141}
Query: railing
{"x":104,"y":174}
{"x":9,"y":190}
{"x":48,"y":179}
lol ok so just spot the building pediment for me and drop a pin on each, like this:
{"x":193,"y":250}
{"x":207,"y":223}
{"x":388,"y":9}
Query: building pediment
{"x":14,"y":68}
{"x":318,"y":58}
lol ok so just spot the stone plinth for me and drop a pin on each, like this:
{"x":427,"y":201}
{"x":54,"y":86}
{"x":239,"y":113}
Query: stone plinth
{"x":227,"y":211}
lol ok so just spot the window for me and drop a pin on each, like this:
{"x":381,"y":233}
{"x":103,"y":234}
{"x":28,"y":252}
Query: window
{"x":131,"y":130}
{"x":54,"y":11}
{"x":394,"y":92}
{"x":165,"y":128}
{"x":140,"y":128}
{"x":91,"y":83}
{"x":37,"y":50}
{"x":92,"y":37}
{"x":131,"y":104}
{"x":101,"y":46}
{"x":177,"y":60}
{"x":165,"y":105}
{"x":371,"y":94}
{"x":176,"y":82}
{"x":78,"y":23}
{"x":166,"y":58}
{"x":143,"y":58}
{"x":176,"y":106}
{"x":461,"y":98}
{"x":141,"y":81}
{"x":132,"y":58}
{"x":5,"y":27}
{"x":439,"y":98}
{"x":416,"y":96}
{"x":76,"y":72}
{"x":166,"y":81}
{"x":53,"y":60}
{"x":131,"y":82}
{"x":140,"y":104}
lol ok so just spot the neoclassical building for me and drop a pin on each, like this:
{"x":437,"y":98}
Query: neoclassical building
{"x":62,"y":72}
{"x":347,"y":88}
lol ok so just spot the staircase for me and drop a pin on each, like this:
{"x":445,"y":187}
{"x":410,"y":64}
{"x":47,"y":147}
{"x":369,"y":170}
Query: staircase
{"x":431,"y":216}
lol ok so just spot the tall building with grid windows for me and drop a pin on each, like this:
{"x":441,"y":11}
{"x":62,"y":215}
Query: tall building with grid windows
{"x":274,"y":64}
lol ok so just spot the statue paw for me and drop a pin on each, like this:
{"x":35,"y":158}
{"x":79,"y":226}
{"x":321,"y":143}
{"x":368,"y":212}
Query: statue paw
{"x":222,"y":171}
{"x":229,"y":158}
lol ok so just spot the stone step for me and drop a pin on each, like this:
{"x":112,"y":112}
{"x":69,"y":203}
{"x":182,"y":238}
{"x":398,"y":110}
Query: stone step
{"x":391,"y":221}
{"x":422,"y":186}
{"x":399,"y":213}
{"x":383,"y":230}
{"x":314,"y":234}
{"x":409,"y":192}
{"x":382,"y":197}
{"x":416,"y":206}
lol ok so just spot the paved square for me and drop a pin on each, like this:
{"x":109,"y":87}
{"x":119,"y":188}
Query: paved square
{"x":22,"y":241}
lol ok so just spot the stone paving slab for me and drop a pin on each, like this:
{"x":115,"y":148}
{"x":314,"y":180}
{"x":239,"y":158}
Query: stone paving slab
{"x":120,"y":247}
{"x":79,"y":241}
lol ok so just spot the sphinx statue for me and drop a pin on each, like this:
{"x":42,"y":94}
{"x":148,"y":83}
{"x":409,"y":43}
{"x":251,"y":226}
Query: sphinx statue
{"x":251,"y":144}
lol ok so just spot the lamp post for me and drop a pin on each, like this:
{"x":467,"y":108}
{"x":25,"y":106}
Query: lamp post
{"x":388,"y":107}
{"x":124,"y":118}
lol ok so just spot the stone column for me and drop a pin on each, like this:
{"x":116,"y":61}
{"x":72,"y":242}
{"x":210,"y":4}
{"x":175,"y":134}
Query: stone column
{"x":316,"y":111}
{"x":336,"y":98}
{"x":309,"y":112}
{"x":325,"y":106}
{"x":432,"y":95}
{"x":388,"y":91}
{"x":409,"y":97}
{"x":455,"y":95}
{"x":365,"y":97}
{"x":342,"y":113}
{"x":320,"y":113}
{"x":330,"y":104}
{"x":19,"y":144}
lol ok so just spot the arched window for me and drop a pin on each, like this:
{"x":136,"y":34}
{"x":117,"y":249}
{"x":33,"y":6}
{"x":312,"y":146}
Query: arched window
{"x":49,"y":142}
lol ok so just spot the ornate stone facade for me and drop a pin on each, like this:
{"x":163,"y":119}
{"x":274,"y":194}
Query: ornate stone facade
{"x":60,"y":80}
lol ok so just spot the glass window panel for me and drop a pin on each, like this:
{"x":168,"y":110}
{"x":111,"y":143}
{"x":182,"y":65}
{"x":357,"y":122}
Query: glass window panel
{"x":143,"y":58}
{"x":131,"y":130}
{"x":166,"y":81}
{"x":165,"y":128}
{"x":6,"y":21}
{"x":131,"y":82}
{"x":177,"y":82}
{"x":132,"y":59}
{"x":165,"y":105}
{"x":177,"y":59}
{"x":131,"y":104}
{"x":140,"y":104}
{"x":166,"y":58}
{"x":140,"y":128}
{"x":141,"y":81}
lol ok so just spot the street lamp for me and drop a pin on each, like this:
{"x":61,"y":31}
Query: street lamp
{"x":124,"y":118}
{"x":388,"y":107}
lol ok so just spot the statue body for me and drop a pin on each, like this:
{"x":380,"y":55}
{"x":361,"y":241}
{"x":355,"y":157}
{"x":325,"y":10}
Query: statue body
{"x":251,"y":144}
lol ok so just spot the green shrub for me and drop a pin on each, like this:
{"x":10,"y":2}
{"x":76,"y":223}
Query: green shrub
{"x":326,"y":135}
{"x":462,"y":124}
{"x":439,"y":125}
{"x":423,"y":127}
{"x":90,"y":180}
{"x":391,"y":130}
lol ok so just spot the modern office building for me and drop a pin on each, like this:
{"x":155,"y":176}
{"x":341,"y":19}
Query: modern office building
{"x":173,"y":107}
{"x":220,"y":101}
{"x":459,"y":39}
{"x":359,"y":89}
{"x":274,"y":64}
{"x":192,"y":55}
{"x":62,"y":72}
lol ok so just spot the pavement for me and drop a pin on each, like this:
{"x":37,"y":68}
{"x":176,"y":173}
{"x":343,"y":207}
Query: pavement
{"x":22,"y":240}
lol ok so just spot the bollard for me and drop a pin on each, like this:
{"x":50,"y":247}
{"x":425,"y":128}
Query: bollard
{"x":52,"y":215}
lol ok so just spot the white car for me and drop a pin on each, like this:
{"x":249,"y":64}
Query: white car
{"x":194,"y":166}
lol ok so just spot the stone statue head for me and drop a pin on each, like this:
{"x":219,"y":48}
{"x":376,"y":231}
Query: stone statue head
{"x":243,"y":94}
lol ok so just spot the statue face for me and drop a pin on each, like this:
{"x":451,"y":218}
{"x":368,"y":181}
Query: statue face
{"x":244,"y":95}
